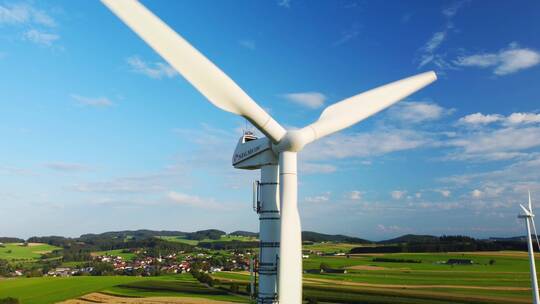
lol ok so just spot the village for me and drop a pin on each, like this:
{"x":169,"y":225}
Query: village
{"x":145,"y":265}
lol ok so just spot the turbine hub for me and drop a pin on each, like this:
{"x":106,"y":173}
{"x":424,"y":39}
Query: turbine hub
{"x":296,"y":140}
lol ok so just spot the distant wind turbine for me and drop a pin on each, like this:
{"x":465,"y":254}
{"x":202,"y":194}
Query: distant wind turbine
{"x":528,"y":215}
{"x":275,"y":154}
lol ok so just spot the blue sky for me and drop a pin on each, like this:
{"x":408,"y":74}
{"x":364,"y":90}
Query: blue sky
{"x":98,"y":133}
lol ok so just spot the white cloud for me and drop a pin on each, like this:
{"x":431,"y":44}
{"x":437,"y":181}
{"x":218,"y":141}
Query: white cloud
{"x":513,"y":137}
{"x":514,"y":119}
{"x":375,"y":143}
{"x":476,"y":193}
{"x":155,"y":70}
{"x":191,"y":200}
{"x":67,"y":167}
{"x":284,"y":3}
{"x":27,"y":16}
{"x":398,"y":194}
{"x":311,"y":168}
{"x":444,"y":192}
{"x":435,"y":41}
{"x":393,"y":229}
{"x":428,"y":50}
{"x":348,"y":35}
{"x":506,"y":61}
{"x":14,"y":14}
{"x":312,"y":100}
{"x":92,"y":101}
{"x":453,"y":9}
{"x":248,"y":44}
{"x":497,"y":143}
{"x":157,"y":182}
{"x":325,"y":197}
{"x":4,"y":170}
{"x":355,"y":195}
{"x":416,"y":112}
{"x":40,"y":38}
{"x":479,"y":119}
{"x":523,"y":118}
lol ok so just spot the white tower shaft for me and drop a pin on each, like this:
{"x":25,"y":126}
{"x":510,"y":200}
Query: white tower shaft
{"x":290,"y":252}
{"x":269,"y":234}
{"x":534,"y":280}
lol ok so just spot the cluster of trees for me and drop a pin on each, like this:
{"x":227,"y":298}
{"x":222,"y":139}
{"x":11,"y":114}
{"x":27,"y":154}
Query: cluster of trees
{"x":212,"y":234}
{"x":444,"y":244}
{"x":5,"y":268}
{"x":310,"y":236}
{"x":10,"y":240}
{"x":228,"y":245}
{"x":200,"y":275}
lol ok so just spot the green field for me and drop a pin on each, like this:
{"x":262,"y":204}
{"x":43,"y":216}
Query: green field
{"x":506,"y":280}
{"x":495,"y":277}
{"x":184,"y":285}
{"x":51,"y":290}
{"x":126,"y":256}
{"x":224,"y":238}
{"x":18,"y":252}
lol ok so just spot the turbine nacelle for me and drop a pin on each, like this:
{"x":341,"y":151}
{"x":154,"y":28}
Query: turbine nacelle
{"x":526,"y":212}
{"x":252,"y":153}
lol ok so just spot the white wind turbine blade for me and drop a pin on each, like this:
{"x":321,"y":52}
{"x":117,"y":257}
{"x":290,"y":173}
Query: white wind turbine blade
{"x":357,"y":108}
{"x":530,"y":202}
{"x":195,"y":67}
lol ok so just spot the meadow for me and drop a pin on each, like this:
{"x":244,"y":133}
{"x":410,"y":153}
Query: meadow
{"x":20,"y":252}
{"x":45,"y":290}
{"x":495,"y":277}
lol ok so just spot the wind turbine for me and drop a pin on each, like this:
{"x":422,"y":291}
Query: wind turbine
{"x":275,"y":154}
{"x":528,"y":215}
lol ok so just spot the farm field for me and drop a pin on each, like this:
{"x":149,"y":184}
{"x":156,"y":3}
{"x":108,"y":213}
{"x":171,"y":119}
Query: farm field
{"x":494,"y":277}
{"x":47,"y":290}
{"x":18,"y":252}
{"x":505,"y":280}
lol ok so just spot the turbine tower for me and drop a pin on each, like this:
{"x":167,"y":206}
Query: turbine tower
{"x":528,"y":215}
{"x":275,"y":154}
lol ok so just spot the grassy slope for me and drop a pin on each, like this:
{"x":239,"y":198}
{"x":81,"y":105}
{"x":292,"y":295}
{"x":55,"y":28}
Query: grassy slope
{"x":118,"y":252}
{"x":14,"y":251}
